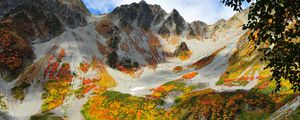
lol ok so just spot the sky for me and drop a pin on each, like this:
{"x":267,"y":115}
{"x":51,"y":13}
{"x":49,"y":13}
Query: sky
{"x":208,"y":11}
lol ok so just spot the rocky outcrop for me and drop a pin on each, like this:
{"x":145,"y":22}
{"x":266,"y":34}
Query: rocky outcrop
{"x":199,"y":28}
{"x":4,"y":116}
{"x":174,"y":19}
{"x":70,"y":17}
{"x":145,"y":17}
{"x":219,"y":24}
{"x":7,"y":5}
{"x":128,"y":63}
{"x":181,"y":49}
{"x":15,"y":55}
{"x":112,"y":59}
{"x":138,"y":14}
{"x":113,"y":43}
{"x":42,"y":19}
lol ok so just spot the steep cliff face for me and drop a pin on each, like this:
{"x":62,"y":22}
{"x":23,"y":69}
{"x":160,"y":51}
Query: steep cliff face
{"x":8,"y":5}
{"x":42,"y":19}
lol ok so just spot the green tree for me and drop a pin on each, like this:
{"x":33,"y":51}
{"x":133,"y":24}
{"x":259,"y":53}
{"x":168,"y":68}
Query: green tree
{"x":274,"y":27}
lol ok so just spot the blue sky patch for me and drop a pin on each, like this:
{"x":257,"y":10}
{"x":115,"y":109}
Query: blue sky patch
{"x":98,"y":7}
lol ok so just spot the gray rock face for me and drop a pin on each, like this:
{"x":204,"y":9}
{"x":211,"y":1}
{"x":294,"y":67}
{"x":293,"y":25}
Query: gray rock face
{"x":178,"y":20}
{"x":7,"y":5}
{"x":4,"y":116}
{"x":42,"y":19}
{"x":158,"y":18}
{"x":139,"y":14}
{"x":112,"y":59}
{"x":199,"y":28}
{"x":219,"y":24}
{"x":70,"y":17}
{"x":159,"y":14}
{"x":146,"y":16}
{"x":164,"y":30}
{"x":175,"y":19}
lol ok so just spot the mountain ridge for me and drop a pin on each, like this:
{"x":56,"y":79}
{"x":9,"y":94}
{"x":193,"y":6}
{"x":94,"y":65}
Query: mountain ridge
{"x":137,"y":58}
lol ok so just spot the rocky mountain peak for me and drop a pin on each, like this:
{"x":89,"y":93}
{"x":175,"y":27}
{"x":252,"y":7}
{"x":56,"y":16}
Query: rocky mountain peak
{"x":143,"y":2}
{"x":176,"y":17}
{"x":148,"y":17}
{"x":137,"y":14}
{"x":200,"y":28}
{"x":175,"y":12}
{"x":173,"y":20}
{"x":156,"y":9}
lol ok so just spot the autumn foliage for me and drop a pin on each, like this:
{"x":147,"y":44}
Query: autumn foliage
{"x":128,"y":71}
{"x":176,"y":85}
{"x":206,"y":60}
{"x":84,"y":67}
{"x":111,"y":105}
{"x":59,"y":81}
{"x":225,"y":105}
{"x":185,"y":55}
{"x":12,"y":50}
{"x":100,"y":81}
{"x":189,"y":75}
{"x":177,"y":69}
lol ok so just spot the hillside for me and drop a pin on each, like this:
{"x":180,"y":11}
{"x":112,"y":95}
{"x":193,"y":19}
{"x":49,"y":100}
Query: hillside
{"x":137,"y":62}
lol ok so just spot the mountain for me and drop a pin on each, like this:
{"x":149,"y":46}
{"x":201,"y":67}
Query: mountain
{"x":57,"y":61}
{"x":28,"y":22}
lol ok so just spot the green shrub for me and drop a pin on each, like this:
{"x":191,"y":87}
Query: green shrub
{"x":45,"y":116}
{"x":18,"y":92}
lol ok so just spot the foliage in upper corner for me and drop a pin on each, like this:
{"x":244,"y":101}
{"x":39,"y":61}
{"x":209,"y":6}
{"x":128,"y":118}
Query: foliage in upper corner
{"x":235,"y":4}
{"x":275,"y":23}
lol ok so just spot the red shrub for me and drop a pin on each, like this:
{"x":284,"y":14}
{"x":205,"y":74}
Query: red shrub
{"x":88,"y":88}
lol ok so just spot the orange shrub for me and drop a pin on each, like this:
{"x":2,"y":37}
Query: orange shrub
{"x":62,"y":53}
{"x":185,"y":56}
{"x":264,"y":85}
{"x":159,"y":89}
{"x":177,"y":69}
{"x":130,"y":71}
{"x":84,"y":67}
{"x":262,"y":77}
{"x":88,"y":88}
{"x":189,"y":75}
{"x":227,"y":80}
{"x":87,"y":81}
